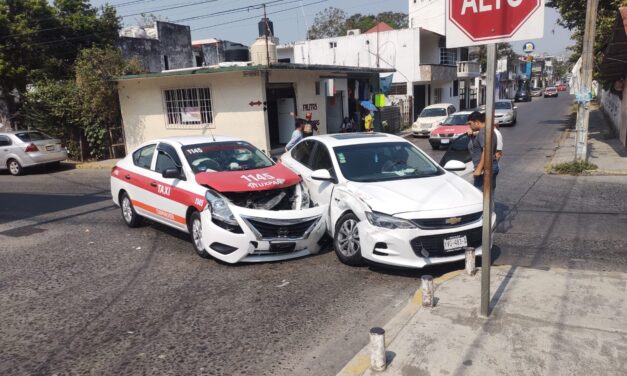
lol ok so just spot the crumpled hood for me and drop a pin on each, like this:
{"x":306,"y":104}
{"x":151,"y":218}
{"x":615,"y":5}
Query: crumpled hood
{"x":263,"y":179}
{"x":442,"y":192}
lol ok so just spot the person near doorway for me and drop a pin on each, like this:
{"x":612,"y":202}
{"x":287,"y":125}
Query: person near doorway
{"x":368,"y":122}
{"x":311,"y":126}
{"x":347,"y":125}
{"x":297,"y":135}
{"x":476,"y":123}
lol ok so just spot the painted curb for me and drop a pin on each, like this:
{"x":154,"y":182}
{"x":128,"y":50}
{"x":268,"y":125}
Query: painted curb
{"x":360,"y":363}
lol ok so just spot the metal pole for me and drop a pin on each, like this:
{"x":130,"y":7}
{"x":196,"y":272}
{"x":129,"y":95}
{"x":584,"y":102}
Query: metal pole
{"x":587,"y":61}
{"x":266,"y":32}
{"x":486,"y":258}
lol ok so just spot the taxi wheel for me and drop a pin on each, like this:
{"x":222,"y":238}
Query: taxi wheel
{"x":130,"y":216}
{"x":194,"y":226}
{"x":346,"y":240}
{"x":15,"y":168}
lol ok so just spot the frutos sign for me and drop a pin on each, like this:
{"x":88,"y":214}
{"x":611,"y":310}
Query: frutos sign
{"x":476,"y":22}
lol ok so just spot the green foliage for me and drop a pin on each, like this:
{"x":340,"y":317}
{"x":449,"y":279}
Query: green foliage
{"x":502,"y":50}
{"x":573,"y":17}
{"x":333,"y":22}
{"x":573,"y":168}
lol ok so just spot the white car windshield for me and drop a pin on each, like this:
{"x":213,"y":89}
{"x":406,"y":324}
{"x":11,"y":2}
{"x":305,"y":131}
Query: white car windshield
{"x":375,"y":162}
{"x":225,"y":156}
{"x":433,"y":112}
{"x":503,"y":106}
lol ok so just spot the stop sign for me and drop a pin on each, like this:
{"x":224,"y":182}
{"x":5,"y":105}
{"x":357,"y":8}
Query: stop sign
{"x":486,"y":21}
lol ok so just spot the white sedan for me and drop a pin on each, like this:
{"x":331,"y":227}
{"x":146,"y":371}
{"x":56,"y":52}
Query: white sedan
{"x":237,"y":204}
{"x":388,"y":201}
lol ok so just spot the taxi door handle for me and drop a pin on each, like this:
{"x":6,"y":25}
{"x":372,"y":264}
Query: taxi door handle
{"x":153,"y":184}
{"x":127,"y":177}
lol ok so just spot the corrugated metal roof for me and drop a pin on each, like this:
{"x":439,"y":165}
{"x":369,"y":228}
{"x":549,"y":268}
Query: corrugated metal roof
{"x":258,"y":68}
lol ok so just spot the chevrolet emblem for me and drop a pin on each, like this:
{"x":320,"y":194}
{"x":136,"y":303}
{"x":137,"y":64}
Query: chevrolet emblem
{"x":453,"y":221}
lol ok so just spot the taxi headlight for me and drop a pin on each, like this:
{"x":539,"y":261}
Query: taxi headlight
{"x":219,"y":208}
{"x":302,"y":200}
{"x":388,"y":221}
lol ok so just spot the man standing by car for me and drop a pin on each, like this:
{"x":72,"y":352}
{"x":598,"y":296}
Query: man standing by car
{"x":297,"y":135}
{"x":476,"y":122}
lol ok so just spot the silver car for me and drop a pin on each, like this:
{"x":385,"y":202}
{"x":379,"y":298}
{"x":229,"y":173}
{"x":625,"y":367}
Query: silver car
{"x":22,"y":149}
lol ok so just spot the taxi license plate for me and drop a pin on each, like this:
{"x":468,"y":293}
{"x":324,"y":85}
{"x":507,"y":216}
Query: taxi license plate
{"x":445,"y":141}
{"x":50,"y":147}
{"x":455,"y":243}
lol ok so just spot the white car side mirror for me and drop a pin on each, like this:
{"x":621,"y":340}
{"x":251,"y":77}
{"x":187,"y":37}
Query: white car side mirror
{"x":515,"y":107}
{"x":322,"y":175}
{"x":455,"y":166}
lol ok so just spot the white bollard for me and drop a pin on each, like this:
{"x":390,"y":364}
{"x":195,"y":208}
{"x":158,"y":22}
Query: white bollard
{"x":470,"y":261}
{"x":377,"y":349}
{"x":427,"y":291}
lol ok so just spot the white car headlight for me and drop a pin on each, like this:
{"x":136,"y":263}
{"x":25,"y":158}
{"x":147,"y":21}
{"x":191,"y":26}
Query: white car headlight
{"x":388,"y":221}
{"x":219,"y":208}
{"x":302,"y":199}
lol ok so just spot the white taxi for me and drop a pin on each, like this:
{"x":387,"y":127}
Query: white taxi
{"x":237,"y":204}
{"x":389,"y":202}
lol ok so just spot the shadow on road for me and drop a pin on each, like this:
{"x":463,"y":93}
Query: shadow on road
{"x":44,"y":169}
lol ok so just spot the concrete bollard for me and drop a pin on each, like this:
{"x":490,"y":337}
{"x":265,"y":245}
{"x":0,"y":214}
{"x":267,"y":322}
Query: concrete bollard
{"x":470,"y":261}
{"x":427,"y":291}
{"x":377,"y":349}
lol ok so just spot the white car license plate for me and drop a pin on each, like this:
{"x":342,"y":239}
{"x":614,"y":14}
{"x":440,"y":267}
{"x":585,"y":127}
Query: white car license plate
{"x":445,"y":141}
{"x":50,"y":147}
{"x":454,"y":243}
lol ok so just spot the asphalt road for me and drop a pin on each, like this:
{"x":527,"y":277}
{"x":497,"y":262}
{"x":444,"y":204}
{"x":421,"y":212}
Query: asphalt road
{"x":81,"y":293}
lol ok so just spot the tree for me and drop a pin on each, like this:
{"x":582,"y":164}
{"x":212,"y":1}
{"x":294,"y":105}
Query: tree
{"x":573,"y":17}
{"x":328,"y":23}
{"x":148,"y":19}
{"x":502,"y":50}
{"x":332,"y":22}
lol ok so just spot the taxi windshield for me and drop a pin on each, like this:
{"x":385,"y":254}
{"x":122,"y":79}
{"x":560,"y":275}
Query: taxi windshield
{"x":225,"y":156}
{"x":456,"y":120}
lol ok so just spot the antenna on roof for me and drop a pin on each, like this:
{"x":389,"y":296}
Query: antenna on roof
{"x":211,"y":133}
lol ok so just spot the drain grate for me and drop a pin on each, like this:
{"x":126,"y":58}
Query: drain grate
{"x":22,"y":231}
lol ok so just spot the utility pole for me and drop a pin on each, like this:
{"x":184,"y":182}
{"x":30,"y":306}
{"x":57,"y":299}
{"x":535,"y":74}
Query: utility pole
{"x":585,"y":95}
{"x":266,"y":32}
{"x":488,"y":150}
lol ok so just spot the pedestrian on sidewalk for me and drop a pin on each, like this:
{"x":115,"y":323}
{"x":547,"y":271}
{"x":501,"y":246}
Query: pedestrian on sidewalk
{"x":368,"y":120}
{"x":297,"y":135}
{"x":499,"y":143}
{"x":476,"y":131}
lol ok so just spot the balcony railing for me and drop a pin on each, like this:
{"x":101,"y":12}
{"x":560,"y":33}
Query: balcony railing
{"x":468,"y":69}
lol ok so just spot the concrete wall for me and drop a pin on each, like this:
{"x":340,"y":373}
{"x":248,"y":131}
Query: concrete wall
{"x":616,"y":111}
{"x":427,"y":14}
{"x":147,"y":51}
{"x":143,"y":108}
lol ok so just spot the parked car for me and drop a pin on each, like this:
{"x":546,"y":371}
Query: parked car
{"x":522,"y":95}
{"x":22,"y":149}
{"x":430,"y":118}
{"x":536,"y":92}
{"x":551,"y":92}
{"x":234,"y":201}
{"x":389,"y":202}
{"x":454,"y":126}
{"x":505,"y":112}
{"x":561,"y":87}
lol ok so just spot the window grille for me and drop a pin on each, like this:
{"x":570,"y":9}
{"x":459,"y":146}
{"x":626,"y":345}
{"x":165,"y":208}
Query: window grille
{"x":188,"y":108}
{"x":398,"y":89}
{"x":448,"y":56}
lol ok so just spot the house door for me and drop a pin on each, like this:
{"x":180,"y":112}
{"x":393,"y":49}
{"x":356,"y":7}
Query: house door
{"x":285,"y":108}
{"x":420,"y":99}
{"x":335,"y":112}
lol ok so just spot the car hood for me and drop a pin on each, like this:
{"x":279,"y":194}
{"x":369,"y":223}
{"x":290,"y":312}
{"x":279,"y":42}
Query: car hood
{"x":262,"y":179}
{"x":429,"y":120}
{"x":503,"y":112}
{"x":446,"y":129}
{"x":443,"y":192}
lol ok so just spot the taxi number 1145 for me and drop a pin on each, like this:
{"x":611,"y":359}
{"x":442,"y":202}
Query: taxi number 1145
{"x":258,"y":177}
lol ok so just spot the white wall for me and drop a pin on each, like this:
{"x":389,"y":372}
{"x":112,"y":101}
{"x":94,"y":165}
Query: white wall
{"x":427,"y":14}
{"x":616,"y":110}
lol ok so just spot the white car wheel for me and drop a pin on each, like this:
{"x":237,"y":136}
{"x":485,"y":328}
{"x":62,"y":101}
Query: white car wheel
{"x":347,"y":243}
{"x":14,"y":167}
{"x":195,"y":230}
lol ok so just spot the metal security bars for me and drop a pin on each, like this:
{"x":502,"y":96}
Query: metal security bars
{"x":188,"y":108}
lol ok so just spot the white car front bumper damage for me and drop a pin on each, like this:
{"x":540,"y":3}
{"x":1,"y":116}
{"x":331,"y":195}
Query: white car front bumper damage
{"x":416,"y":248}
{"x":265,"y":235}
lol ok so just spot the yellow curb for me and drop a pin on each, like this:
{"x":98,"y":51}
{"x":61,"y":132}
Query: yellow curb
{"x":361,"y":361}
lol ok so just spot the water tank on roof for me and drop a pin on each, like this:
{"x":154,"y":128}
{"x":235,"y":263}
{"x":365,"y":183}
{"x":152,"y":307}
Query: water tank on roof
{"x":260,"y":54}
{"x":237,"y":54}
{"x":266,"y":27}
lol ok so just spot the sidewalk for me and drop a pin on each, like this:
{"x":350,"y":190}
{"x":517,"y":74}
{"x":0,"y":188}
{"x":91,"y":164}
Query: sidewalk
{"x":604,"y":149}
{"x":104,"y":164}
{"x":544,"y":322}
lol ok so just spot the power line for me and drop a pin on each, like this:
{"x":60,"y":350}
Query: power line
{"x":236,"y":10}
{"x":170,"y":8}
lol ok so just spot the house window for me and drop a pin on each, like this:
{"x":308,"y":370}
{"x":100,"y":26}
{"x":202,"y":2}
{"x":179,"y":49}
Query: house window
{"x":448,"y":56}
{"x":398,"y":89}
{"x":437,"y":95}
{"x":317,"y":84}
{"x":455,"y":88}
{"x":332,"y":44}
{"x":188,"y":108}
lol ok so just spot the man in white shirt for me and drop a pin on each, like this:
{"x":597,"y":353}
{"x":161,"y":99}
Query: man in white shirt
{"x":297,"y":135}
{"x":499,"y":142}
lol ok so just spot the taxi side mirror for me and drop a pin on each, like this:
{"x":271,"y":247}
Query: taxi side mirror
{"x":173,"y":173}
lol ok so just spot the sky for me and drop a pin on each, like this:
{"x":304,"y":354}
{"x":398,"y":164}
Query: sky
{"x":291,"y":18}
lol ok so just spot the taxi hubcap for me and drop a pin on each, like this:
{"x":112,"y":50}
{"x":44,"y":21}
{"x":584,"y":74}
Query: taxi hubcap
{"x":127,"y":210}
{"x":197,"y":233}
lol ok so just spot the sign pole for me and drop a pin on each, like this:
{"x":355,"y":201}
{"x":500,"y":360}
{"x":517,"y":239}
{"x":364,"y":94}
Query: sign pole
{"x":486,"y":239}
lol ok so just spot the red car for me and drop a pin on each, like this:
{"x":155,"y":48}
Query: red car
{"x":550,"y":92}
{"x":454,"y":126}
{"x":561,"y":87}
